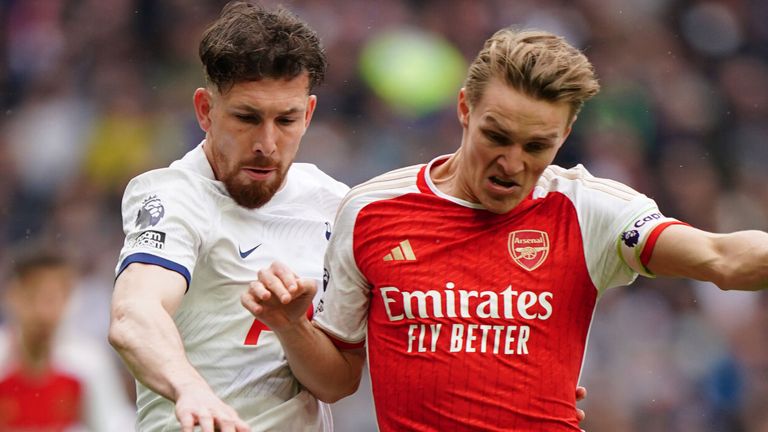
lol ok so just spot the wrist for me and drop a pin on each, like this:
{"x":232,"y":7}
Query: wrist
{"x":181,"y":385}
{"x":295,"y":329}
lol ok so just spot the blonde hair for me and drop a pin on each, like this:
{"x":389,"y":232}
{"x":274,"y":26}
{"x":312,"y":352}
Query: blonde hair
{"x":537,"y":63}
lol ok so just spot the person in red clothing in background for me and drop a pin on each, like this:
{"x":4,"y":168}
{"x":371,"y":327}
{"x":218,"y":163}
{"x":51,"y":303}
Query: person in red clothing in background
{"x":50,"y":381}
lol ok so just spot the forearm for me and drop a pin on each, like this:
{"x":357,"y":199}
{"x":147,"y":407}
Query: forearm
{"x":327,"y":372}
{"x":146,"y":338}
{"x":744,"y":263}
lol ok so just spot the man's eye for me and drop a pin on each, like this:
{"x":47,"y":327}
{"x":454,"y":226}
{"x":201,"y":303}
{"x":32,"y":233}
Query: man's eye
{"x":287,"y":121}
{"x":535,"y":147}
{"x":495,"y":137}
{"x":247,"y":118}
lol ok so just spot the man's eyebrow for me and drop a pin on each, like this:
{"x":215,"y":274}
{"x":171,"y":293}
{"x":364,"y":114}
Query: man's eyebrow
{"x":545,"y":137}
{"x":496,"y":124}
{"x":493,"y":122}
{"x":251,"y":110}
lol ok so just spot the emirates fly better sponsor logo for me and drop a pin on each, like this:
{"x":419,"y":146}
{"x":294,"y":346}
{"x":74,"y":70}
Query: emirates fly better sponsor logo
{"x":467,"y":320}
{"x":528,"y":248}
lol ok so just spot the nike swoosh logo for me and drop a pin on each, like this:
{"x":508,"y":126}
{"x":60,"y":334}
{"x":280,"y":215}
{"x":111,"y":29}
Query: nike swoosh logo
{"x":245,"y":254}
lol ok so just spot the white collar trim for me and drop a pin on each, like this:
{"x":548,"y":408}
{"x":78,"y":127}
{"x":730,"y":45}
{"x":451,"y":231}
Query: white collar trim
{"x":441,"y":194}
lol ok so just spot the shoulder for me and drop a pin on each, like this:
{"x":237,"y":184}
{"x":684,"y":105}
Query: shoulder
{"x":577,"y":181}
{"x":310,"y":176}
{"x":175,"y":185}
{"x":389,"y":185}
{"x":180,"y":179}
{"x":310,"y":191}
{"x":173,"y":195}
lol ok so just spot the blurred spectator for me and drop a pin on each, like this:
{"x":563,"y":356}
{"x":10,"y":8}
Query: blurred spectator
{"x":50,"y":381}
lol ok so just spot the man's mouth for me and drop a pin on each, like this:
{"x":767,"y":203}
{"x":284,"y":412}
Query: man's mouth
{"x":260,"y":170}
{"x":259,"y":173}
{"x":507,"y":184}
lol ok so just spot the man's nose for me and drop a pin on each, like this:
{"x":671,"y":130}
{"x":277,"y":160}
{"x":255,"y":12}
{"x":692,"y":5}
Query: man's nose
{"x":265,"y":139}
{"x":511,"y":161}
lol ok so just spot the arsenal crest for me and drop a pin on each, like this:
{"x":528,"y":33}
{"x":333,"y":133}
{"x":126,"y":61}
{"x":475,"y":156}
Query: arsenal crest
{"x":529,"y":248}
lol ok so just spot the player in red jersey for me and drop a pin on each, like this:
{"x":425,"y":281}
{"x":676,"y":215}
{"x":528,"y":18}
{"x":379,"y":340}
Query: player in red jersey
{"x":472,"y":280}
{"x":52,"y":380}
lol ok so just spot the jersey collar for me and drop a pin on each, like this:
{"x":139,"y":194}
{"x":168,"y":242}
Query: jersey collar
{"x":427,"y":185}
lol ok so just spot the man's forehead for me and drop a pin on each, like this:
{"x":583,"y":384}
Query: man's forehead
{"x":257,"y":95}
{"x":507,"y":125}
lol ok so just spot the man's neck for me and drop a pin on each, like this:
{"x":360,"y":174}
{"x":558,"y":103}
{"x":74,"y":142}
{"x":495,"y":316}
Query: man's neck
{"x":447,"y":176}
{"x":34,"y":353}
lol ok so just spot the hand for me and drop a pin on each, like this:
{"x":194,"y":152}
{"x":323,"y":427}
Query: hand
{"x":581,"y":394}
{"x":197,"y":405}
{"x":279,"y":298}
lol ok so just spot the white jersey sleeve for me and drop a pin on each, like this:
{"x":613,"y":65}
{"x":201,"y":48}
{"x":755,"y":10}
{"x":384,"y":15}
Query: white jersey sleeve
{"x":165,"y":220}
{"x":347,"y":293}
{"x":343,"y":311}
{"x":618,"y":224}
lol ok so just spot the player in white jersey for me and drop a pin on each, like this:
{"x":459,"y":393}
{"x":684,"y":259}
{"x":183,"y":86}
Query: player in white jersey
{"x":197,"y":231}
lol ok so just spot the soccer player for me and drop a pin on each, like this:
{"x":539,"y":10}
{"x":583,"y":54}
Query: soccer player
{"x":52,"y":380}
{"x":197,"y":231}
{"x":472,"y":280}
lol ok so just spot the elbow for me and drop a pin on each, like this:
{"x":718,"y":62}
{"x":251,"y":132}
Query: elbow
{"x":339,"y":393}
{"x":725,"y":278}
{"x":731,"y":276}
{"x":119,"y":327}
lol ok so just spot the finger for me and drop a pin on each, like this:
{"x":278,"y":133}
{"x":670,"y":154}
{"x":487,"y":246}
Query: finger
{"x":275,"y":285}
{"x":234,"y":423}
{"x":250,"y":303}
{"x":226,"y":426}
{"x":306,"y":285}
{"x":259,"y":291}
{"x":580,"y":414}
{"x":285,"y":274}
{"x":206,"y":422}
{"x":581,"y":393}
{"x":187,"y":422}
{"x":241,"y":426}
{"x":237,"y":424}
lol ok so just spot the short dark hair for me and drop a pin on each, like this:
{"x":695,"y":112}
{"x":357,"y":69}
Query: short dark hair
{"x":250,"y":43}
{"x":26,"y":260}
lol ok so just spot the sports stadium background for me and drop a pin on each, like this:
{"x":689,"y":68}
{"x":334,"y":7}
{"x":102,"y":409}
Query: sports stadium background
{"x":93,"y":92}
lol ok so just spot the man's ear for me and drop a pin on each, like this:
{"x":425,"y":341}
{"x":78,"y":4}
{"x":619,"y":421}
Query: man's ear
{"x":569,"y":129}
{"x":311,"y":105}
{"x":203,"y":102}
{"x":462,"y":108}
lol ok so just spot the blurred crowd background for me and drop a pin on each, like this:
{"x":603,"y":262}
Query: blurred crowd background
{"x":93,"y":92}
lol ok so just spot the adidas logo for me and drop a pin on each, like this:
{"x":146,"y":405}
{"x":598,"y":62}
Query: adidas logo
{"x":402,"y":252}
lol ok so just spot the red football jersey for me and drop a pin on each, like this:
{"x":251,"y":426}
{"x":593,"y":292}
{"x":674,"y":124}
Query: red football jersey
{"x":475,"y":320}
{"x":51,"y":402}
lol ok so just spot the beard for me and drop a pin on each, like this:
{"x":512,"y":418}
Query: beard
{"x":247,"y":193}
{"x":254,"y":194}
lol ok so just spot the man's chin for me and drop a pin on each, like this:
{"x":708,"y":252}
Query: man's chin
{"x":501,"y":206}
{"x":254,"y":195}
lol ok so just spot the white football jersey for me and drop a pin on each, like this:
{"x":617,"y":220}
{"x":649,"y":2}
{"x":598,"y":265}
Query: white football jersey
{"x":184,"y":220}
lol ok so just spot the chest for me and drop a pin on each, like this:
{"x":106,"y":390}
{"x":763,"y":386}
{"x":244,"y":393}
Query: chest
{"x":241,"y":244}
{"x":421,"y":245}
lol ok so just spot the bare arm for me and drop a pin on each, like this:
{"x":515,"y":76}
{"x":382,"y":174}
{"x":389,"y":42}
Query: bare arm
{"x":737,"y":260}
{"x":280,"y":299}
{"x":142,"y":331}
